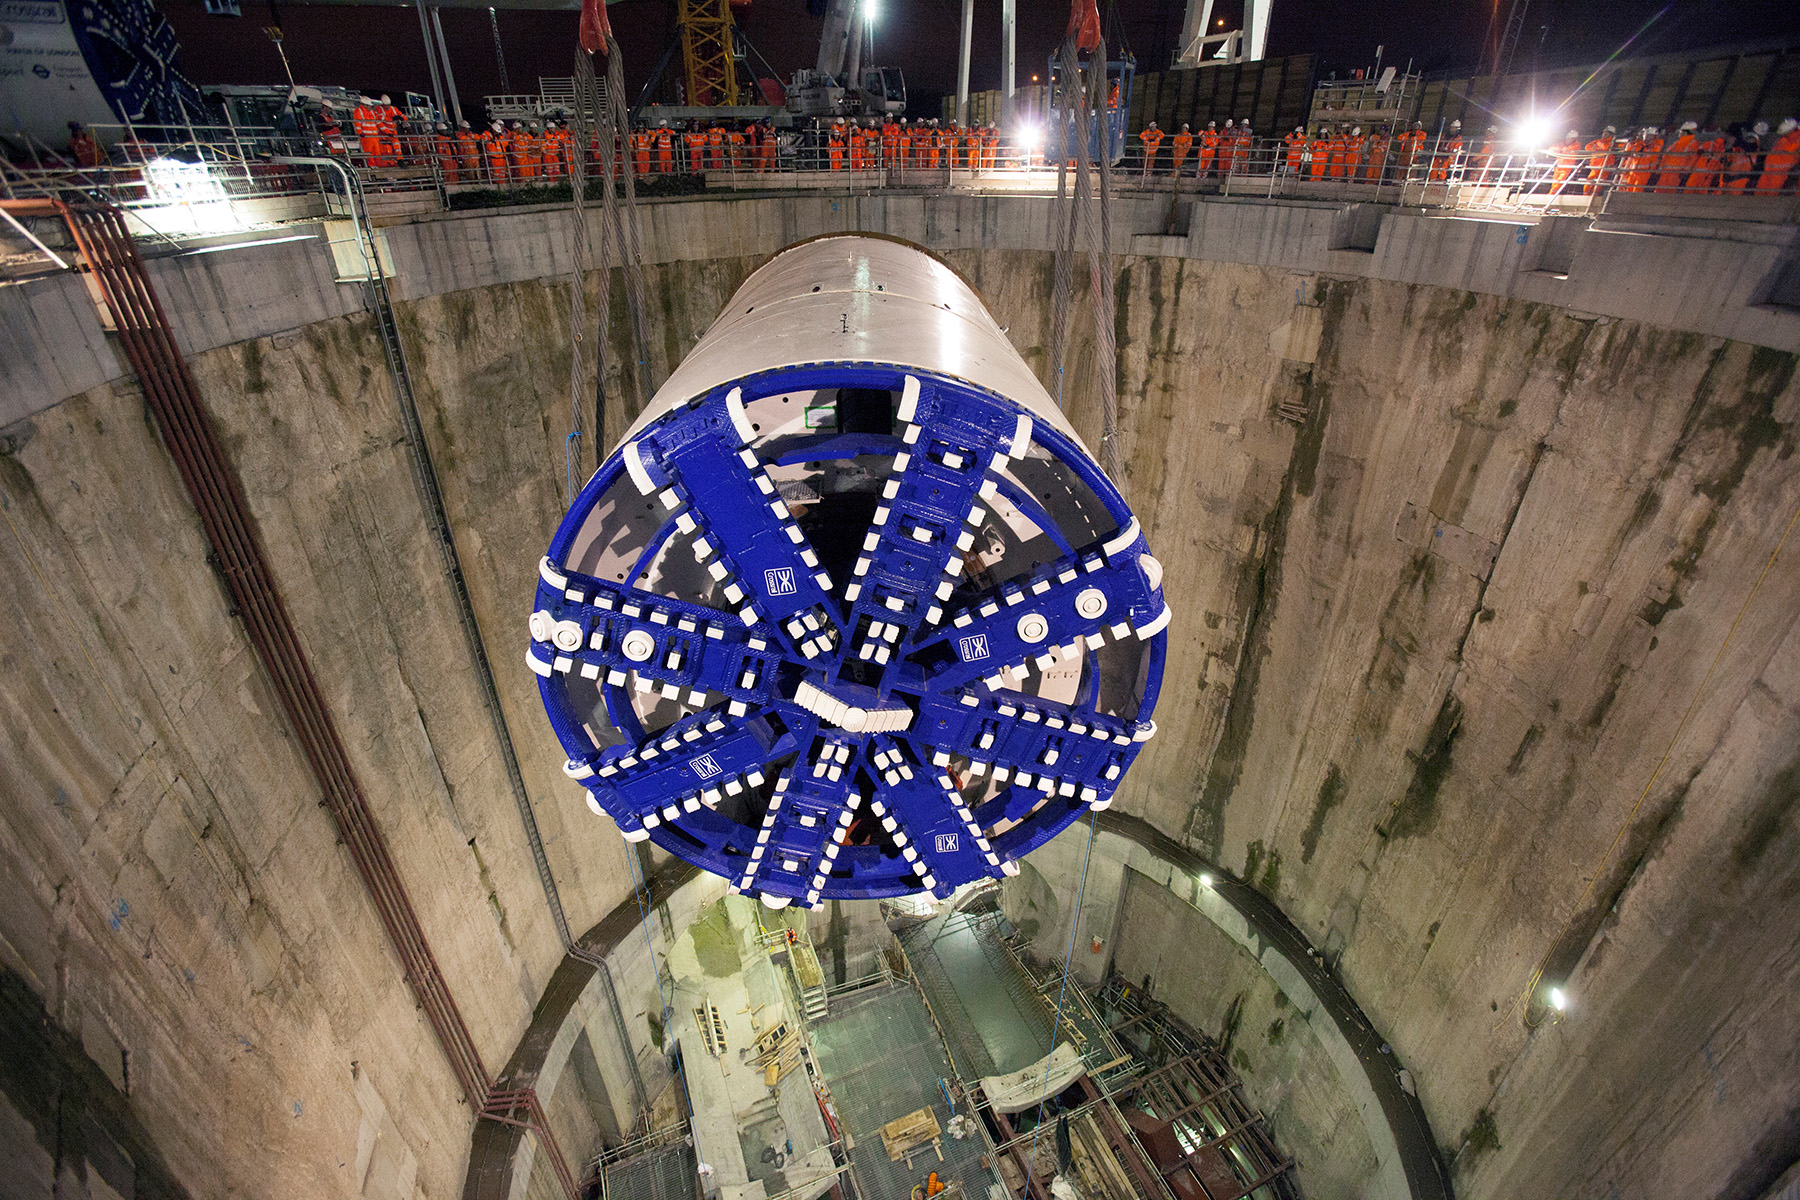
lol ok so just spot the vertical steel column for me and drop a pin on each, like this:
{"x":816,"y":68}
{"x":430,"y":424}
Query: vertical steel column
{"x":1008,"y":31}
{"x":962,"y":63}
{"x":437,"y":82}
{"x":437,"y":27}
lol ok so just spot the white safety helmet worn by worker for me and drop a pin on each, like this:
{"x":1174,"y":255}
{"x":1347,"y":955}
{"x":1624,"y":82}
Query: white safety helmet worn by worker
{"x":1356,"y":131}
{"x":1212,"y":124}
{"x":1574,"y":133}
{"x":1456,"y":124}
{"x":1689,"y":126}
{"x":442,"y":128}
{"x":498,"y":127}
{"x":662,"y":124}
{"x":518,"y":126}
{"x":1788,"y":125}
{"x":464,"y":124}
{"x":1153,"y":124}
{"x":1184,"y":127}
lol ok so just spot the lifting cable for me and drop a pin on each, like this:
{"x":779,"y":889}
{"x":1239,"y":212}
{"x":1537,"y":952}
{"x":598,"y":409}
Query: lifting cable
{"x":604,"y":136}
{"x":1080,"y":99}
{"x":599,"y":125}
{"x":1082,"y":113}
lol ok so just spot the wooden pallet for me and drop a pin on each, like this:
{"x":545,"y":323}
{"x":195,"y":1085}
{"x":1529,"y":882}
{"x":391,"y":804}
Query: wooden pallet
{"x":903,"y":1137}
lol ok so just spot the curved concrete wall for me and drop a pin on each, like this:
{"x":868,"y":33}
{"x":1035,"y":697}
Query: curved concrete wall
{"x":1454,"y":528}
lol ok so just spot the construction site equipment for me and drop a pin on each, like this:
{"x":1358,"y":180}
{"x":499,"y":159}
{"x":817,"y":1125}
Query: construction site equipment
{"x":777,"y":693}
{"x":903,"y":1137}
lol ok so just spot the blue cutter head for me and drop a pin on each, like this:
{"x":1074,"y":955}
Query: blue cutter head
{"x":849,"y":630}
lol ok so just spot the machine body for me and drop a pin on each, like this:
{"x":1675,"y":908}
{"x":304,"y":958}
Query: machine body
{"x":850,"y":611}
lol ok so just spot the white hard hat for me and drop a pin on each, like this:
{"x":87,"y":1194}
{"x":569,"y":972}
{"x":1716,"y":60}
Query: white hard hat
{"x":1788,"y":125}
{"x":1688,"y":126}
{"x":662,"y":124}
{"x":1356,"y":131}
{"x":384,"y":98}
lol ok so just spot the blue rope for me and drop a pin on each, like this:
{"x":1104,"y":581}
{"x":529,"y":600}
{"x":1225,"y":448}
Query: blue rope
{"x":1061,"y":992}
{"x":641,"y":889}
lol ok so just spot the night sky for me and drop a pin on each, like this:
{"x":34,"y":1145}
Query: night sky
{"x":380,"y":49}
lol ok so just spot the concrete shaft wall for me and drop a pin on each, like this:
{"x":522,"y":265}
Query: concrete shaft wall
{"x":1451,"y":564}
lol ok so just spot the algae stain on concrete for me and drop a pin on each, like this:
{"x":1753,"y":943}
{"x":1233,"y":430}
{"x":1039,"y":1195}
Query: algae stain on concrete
{"x":715,"y":946}
{"x":1331,"y":794}
{"x":1417,"y":811}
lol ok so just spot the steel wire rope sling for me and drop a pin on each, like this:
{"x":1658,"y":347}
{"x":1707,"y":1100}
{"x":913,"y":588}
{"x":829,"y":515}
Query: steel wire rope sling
{"x":619,"y":234}
{"x":1080,"y":100}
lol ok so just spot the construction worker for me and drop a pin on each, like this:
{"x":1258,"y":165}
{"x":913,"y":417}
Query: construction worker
{"x":1412,"y":145}
{"x":1642,"y":154}
{"x":890,"y":141}
{"x":1482,"y":161}
{"x":715,"y":147}
{"x":1568,"y":161}
{"x":1738,"y":165}
{"x":1295,"y":155}
{"x":83,"y":148}
{"x":771,"y":147}
{"x":368,"y":130}
{"x":1600,"y":160}
{"x":331,"y":134}
{"x":444,"y":147}
{"x":1209,"y":150}
{"x":934,"y":148}
{"x":1709,"y":159}
{"x":1321,"y":152}
{"x":1179,"y":146}
{"x":1340,"y":153}
{"x":468,"y":153}
{"x":387,"y":121}
{"x":853,"y":141}
{"x":525,"y":149}
{"x":1152,"y":138}
{"x":499,"y":169}
{"x":694,"y":139}
{"x":640,"y":151}
{"x":972,"y":146}
{"x":1226,"y":153}
{"x":734,"y":149}
{"x":834,"y":145}
{"x":665,"y":149}
{"x":1778,"y":164}
{"x":1246,"y":148}
{"x":1446,"y":163}
{"x":1678,"y":159}
{"x":1375,"y":150}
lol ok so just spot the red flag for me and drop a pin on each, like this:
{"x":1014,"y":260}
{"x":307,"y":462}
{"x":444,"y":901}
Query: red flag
{"x":1084,"y":24}
{"x":596,"y":30}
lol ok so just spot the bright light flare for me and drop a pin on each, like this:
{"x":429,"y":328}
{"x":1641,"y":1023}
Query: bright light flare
{"x":1558,"y":1000}
{"x":1031,"y":136}
{"x":1206,"y":881}
{"x":185,"y":198}
{"x":871,"y":10}
{"x":1535,"y":132}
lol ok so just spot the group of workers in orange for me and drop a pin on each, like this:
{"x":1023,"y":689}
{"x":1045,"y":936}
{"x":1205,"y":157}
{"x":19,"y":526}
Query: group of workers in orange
{"x":525,"y":152}
{"x":1752,"y":161}
{"x":1216,"y":151}
{"x":906,"y":143}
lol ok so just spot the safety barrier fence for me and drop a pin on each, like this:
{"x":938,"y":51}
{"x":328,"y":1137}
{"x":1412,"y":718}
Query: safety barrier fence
{"x":209,"y":181}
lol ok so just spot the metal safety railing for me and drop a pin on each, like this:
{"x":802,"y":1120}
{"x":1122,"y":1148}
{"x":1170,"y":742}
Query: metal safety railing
{"x":204,"y":181}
